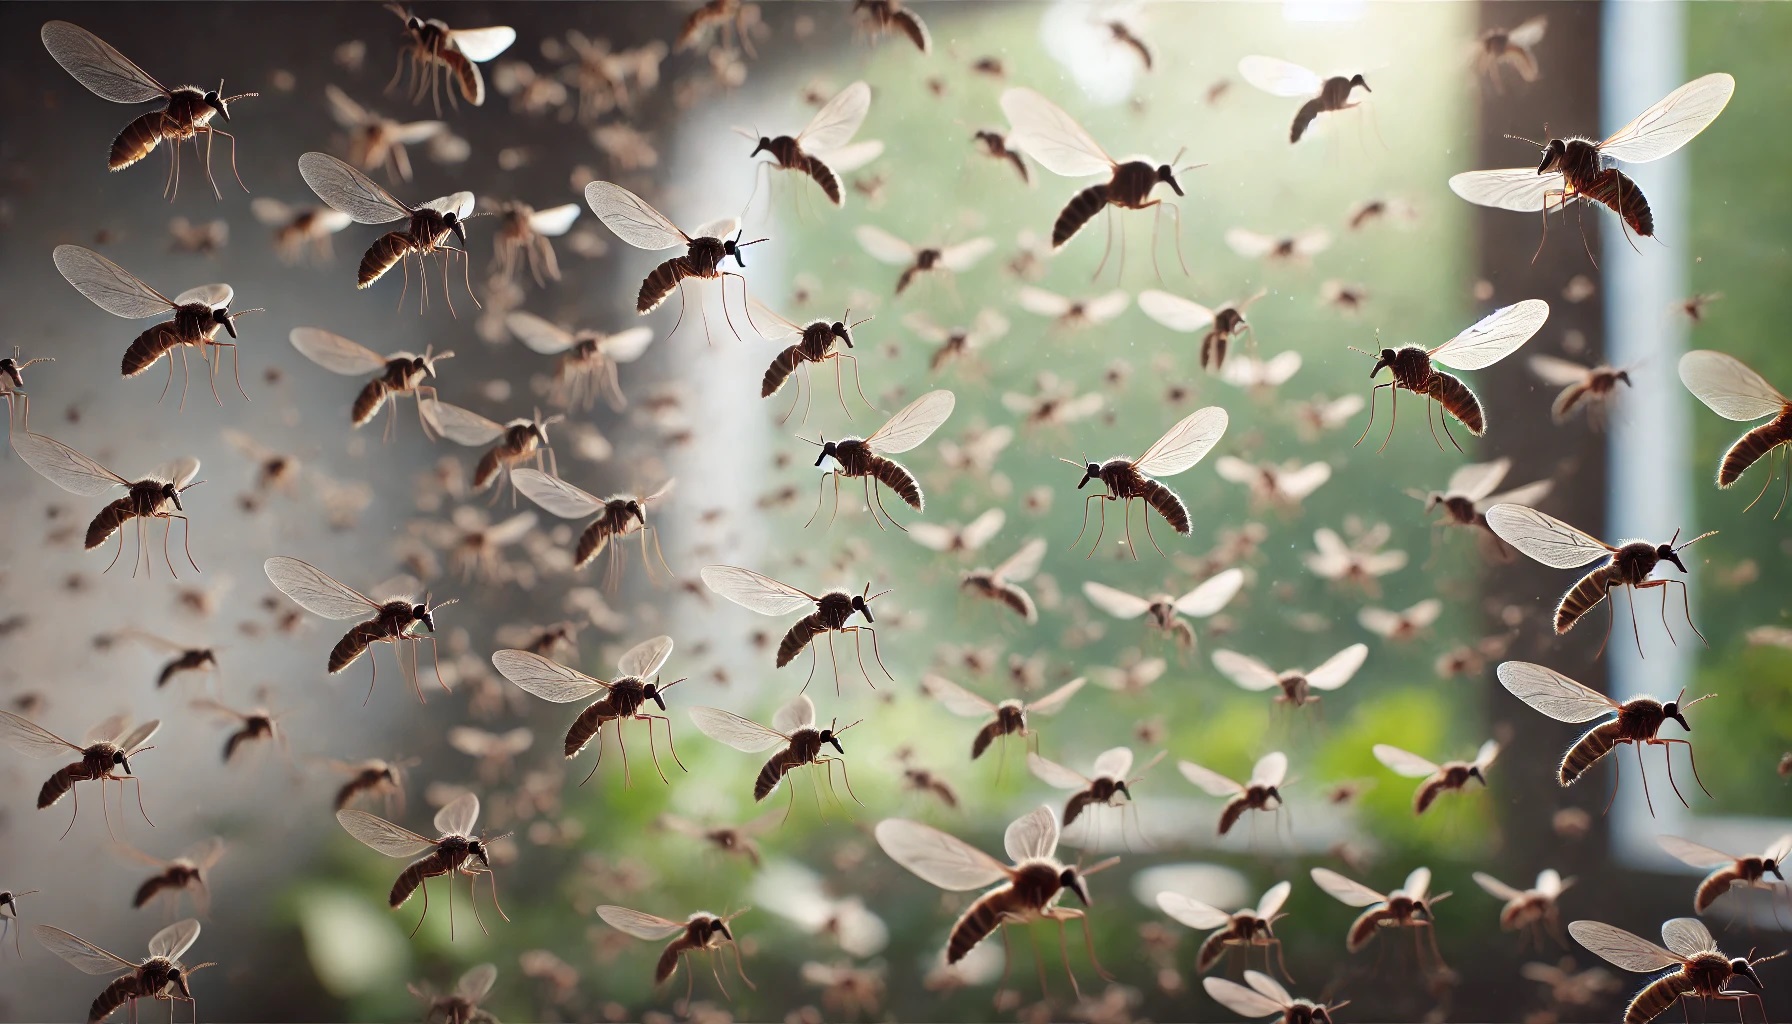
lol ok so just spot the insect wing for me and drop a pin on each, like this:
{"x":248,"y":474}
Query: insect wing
{"x":1185,"y":443}
{"x":177,"y":472}
{"x":1279,"y":77}
{"x":1622,"y":949}
{"x":1344,"y":890}
{"x":555,"y":495}
{"x":631,"y":218}
{"x":1673,"y":122}
{"x":1693,"y":854}
{"x":641,"y":926}
{"x":1021,"y":565}
{"x":1250,"y":244}
{"x":482,"y":44}
{"x":456,"y":818}
{"x":1247,"y":672}
{"x":175,"y":939}
{"x":1688,"y":936}
{"x":546,"y":679}
{"x":1496,"y":888}
{"x":1032,"y":835}
{"x":105,"y":72}
{"x":1174,"y":311}
{"x":834,"y":125}
{"x":1042,"y":302}
{"x":965,"y":254}
{"x":1562,"y":373}
{"x":1477,"y":480}
{"x":645,"y":658}
{"x":1728,"y":387}
{"x":1519,"y":189}
{"x":1117,"y":603}
{"x":1418,"y":883}
{"x":956,"y":698}
{"x":937,"y":858}
{"x":460,"y":425}
{"x":1551,"y":884}
{"x":913,"y":424}
{"x":108,"y":285}
{"x":1529,"y":33}
{"x":538,"y":335}
{"x":1114,"y":763}
{"x":1404,"y":762}
{"x":737,"y":732}
{"x":1054,"y":774}
{"x":1207,"y":780}
{"x":1544,"y":538}
{"x":1192,"y":912}
{"x":1212,"y":594}
{"x":1273,"y":899}
{"x":754,"y":592}
{"x":31,"y":739}
{"x":850,"y":158}
{"x":134,"y":740}
{"x":477,"y":983}
{"x":460,"y":204}
{"x":382,"y":835}
{"x":883,"y":246}
{"x":1052,"y":137}
{"x":980,"y":530}
{"x":718,"y":228}
{"x":1487,"y":754}
{"x":1237,"y":998}
{"x":1529,"y":494}
{"x":65,"y":467}
{"x":626,"y":346}
{"x":1106,"y":307}
{"x":336,"y":353}
{"x":1054,"y":702}
{"x":79,"y":952}
{"x":350,"y":191}
{"x":796,"y":713}
{"x":1337,"y":670}
{"x":1496,"y":336}
{"x":315,"y":591}
{"x":1270,"y":770}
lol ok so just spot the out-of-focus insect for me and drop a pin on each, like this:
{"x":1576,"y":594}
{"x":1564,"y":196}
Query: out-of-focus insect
{"x":512,"y":443}
{"x":159,"y":976}
{"x":1052,"y":137}
{"x":1693,"y":307}
{"x":1323,"y":95}
{"x":1297,"y":248}
{"x":995,"y":145}
{"x":460,"y":1006}
{"x":145,"y":499}
{"x":1371,"y":210}
{"x":1492,"y":338}
{"x":426,"y":229}
{"x":1590,"y":388}
{"x":1728,"y":871}
{"x":496,"y":752}
{"x":1511,"y":47}
{"x":521,"y":237}
{"x":182,"y":658}
{"x":1126,"y":479}
{"x":1348,"y":299}
{"x":297,"y":229}
{"x":9,"y":912}
{"x":846,"y":990}
{"x":736,"y":840}
{"x":373,"y":778}
{"x":1469,"y":494}
{"x":456,"y":849}
{"x":1262,"y":792}
{"x":588,"y":359}
{"x":374,"y":141}
{"x":700,"y":932}
{"x":436,"y":51}
{"x":916,"y":260}
{"x":1296,"y":685}
{"x":1283,"y":486}
{"x":1735,"y":392}
{"x":1261,"y":376}
{"x":955,"y":539}
{"x":202,"y":239}
{"x":797,"y":894}
{"x":393,"y":621}
{"x":1695,"y":966}
{"x":401,"y":373}
{"x":107,"y":746}
{"x":474,"y":544}
{"x":957,"y":343}
{"x":1218,"y":327}
{"x":1236,"y":930}
{"x":617,"y":516}
{"x":186,"y":111}
{"x":1401,"y":625}
{"x":12,"y":386}
{"x":1167,"y":612}
{"x":821,"y":149}
{"x":1025,"y":892}
{"x":274,"y":471}
{"x":732,"y":15}
{"x":1002,"y":584}
{"x":623,"y":697}
{"x":1579,"y":168}
{"x":1321,"y":415}
{"x":185,"y":873}
{"x":814,"y":345}
{"x":1560,"y":546}
{"x":634,"y":221}
{"x":1073,"y":314}
{"x":832,"y":610}
{"x":1107,"y":783}
{"x":867,"y":458}
{"x":916,"y":779}
{"x":1009,"y":718}
{"x":793,"y":728}
{"x":1409,"y":906}
{"x":198,"y":315}
{"x":883,"y":16}
{"x":1449,"y":777}
{"x":1267,"y":998}
{"x":1534,"y":910}
{"x":1055,"y":402}
{"x":253,"y":726}
{"x":1128,"y":37}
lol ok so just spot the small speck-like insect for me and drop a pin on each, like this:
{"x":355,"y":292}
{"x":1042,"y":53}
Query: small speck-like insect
{"x":733,"y":16}
{"x":145,"y":499}
{"x":1409,"y":906}
{"x":735,"y":840}
{"x":1296,"y":685}
{"x":636,"y":222}
{"x":1267,"y":998}
{"x":588,"y":359}
{"x":1510,"y":47}
{"x":1404,"y":625}
{"x":798,"y":895}
{"x":956,"y":343}
{"x":884,"y":16}
{"x":624,"y":697}
{"x":916,"y":260}
{"x":1074,"y":314}
{"x":994,"y":145}
{"x":522,"y":235}
{"x":460,"y":1006}
{"x":821,"y":151}
{"x":1532,"y":910}
{"x":393,"y":621}
{"x":1125,"y":479}
{"x":1297,"y":248}
{"x":1735,"y":392}
{"x":1107,"y":782}
{"x":456,"y":850}
{"x":186,"y":112}
{"x":401,"y":373}
{"x":1592,"y":388}
{"x":1009,"y":718}
{"x":12,"y":387}
{"x":107,"y":747}
{"x":1695,"y":966}
{"x":1469,"y":494}
{"x":793,"y":728}
{"x":299,"y":229}
{"x":702,"y":931}
{"x":185,"y":873}
{"x":254,"y":726}
{"x":159,"y":976}
{"x":1002,"y":584}
{"x":867,"y":459}
{"x":426,"y":229}
{"x":512,"y":443}
{"x":1203,"y":601}
{"x":951,"y":538}
{"x":1261,"y":793}
{"x":813,"y":345}
{"x":436,"y":51}
{"x":373,"y":778}
{"x":1241,"y":929}
{"x":1322,"y":95}
{"x":1451,"y":776}
{"x":1728,"y":871}
{"x":616,"y":516}
{"x":182,"y":657}
{"x":374,"y":141}
{"x":1282,"y":486}
{"x":1219,"y":327}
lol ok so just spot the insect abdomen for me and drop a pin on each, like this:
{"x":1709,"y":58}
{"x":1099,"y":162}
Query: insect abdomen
{"x":773,"y":773}
{"x":591,"y":543}
{"x":986,"y":736}
{"x":660,"y":283}
{"x":1081,"y":209}
{"x":1212,"y":950}
{"x":427,"y":866}
{"x":1426,"y":794}
{"x":1233,"y":811}
{"x":1582,"y":598}
{"x":1364,"y":927}
{"x":823,"y":176}
{"x":488,"y":467}
{"x":112,"y":997}
{"x":780,"y":370}
{"x":668,"y":960}
{"x":1715,"y":885}
{"x":1213,"y":350}
{"x":382,"y":255}
{"x":236,"y":740}
{"x":109,"y":520}
{"x":898,"y":479}
{"x":472,"y":83}
{"x":1614,"y":189}
{"x":368,"y":402}
{"x":805,"y":630}
{"x":1656,"y":997}
{"x":1749,"y":448}
{"x":1167,"y":505}
{"x":150,"y":889}
{"x":1587,"y":751}
{"x":589,"y":723}
{"x":150,"y":346}
{"x":1303,"y":118}
{"x":58,"y":784}
{"x":137,"y":140}
{"x":1073,"y":809}
{"x":1458,"y":401}
{"x":1567,"y":402}
{"x":983,"y":917}
{"x":1018,"y":600}
{"x":351,"y":646}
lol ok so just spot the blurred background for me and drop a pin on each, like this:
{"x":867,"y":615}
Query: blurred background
{"x":298,"y":921}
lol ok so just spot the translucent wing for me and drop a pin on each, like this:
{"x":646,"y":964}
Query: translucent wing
{"x":1687,"y":936}
{"x":539,"y":335}
{"x":1250,"y":244}
{"x":345,"y":111}
{"x":1117,"y":603}
{"x":1544,"y":538}
{"x":1561,"y":372}
{"x":271,"y":212}
{"x":336,"y":353}
{"x":1052,"y":137}
{"x":65,"y":467}
{"x":1034,"y":834}
{"x":382,"y":835}
{"x":1207,"y":780}
{"x":555,"y":495}
{"x":1240,"y":1000}
{"x":175,"y":939}
{"x":1042,"y":302}
{"x":1268,"y":987}
{"x":107,"y":729}
{"x":1496,"y":336}
{"x":1529,"y":494}
{"x":458,"y":815}
{"x":1185,"y":443}
{"x":79,"y":952}
{"x":783,"y":326}
{"x":1337,"y":669}
{"x":1425,"y":612}
{"x":134,"y":740}
{"x":1191,"y":912}
{"x":754,"y":592}
{"x":956,"y":698}
{"x":1021,"y":565}
{"x":937,"y":858}
{"x":350,"y":191}
{"x":1114,"y":762}
{"x":796,"y":713}
{"x":626,"y":346}
{"x":1212,"y":595}
{"x":631,"y":218}
{"x":1174,"y":311}
{"x":717,"y":228}
{"x":913,"y":424}
{"x":1054,"y":774}
{"x":835,"y":123}
{"x":1404,"y":762}
{"x":477,"y":983}
{"x":176,"y":471}
{"x":31,"y":739}
{"x":482,"y":44}
{"x":546,"y":679}
{"x":1728,"y":387}
{"x":458,"y":203}
{"x":641,"y":926}
{"x":1496,"y":888}
{"x":459,"y":425}
{"x":739,"y":733}
{"x":315,"y":591}
{"x":213,"y":295}
{"x":1620,"y":948}
{"x":108,"y":285}
{"x":1554,"y":694}
{"x":510,"y":530}
{"x":980,"y":530}
{"x":105,"y":72}
{"x":1477,"y":480}
{"x":1270,"y":904}
{"x":1551,"y":884}
{"x":850,"y":158}
{"x":646,"y":658}
{"x":1417,"y":883}
{"x":1247,"y":672}
{"x":1054,"y":702}
{"x":1688,"y":852}
{"x":1279,"y":77}
{"x":965,"y":254}
{"x":1270,"y":769}
{"x":1529,"y":33}
{"x":1297,"y":484}
{"x":1519,"y":189}
{"x":883,"y":246}
{"x":1345,"y":891}
{"x":1489,"y":751}
{"x":1673,"y":122}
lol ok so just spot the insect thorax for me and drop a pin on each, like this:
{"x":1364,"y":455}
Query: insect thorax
{"x":705,"y":256}
{"x":854,"y":456}
{"x":1411,"y":367}
{"x":100,"y":758}
{"x":397,"y":617}
{"x":1037,"y":882}
{"x":1641,"y":718}
{"x":1121,"y":478}
{"x":1131,"y":184}
{"x":187,"y":107}
{"x":627,"y":694}
{"x":1579,"y":162}
{"x":1633,"y":562}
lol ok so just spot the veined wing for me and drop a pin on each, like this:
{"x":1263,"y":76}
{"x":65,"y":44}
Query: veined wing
{"x":1553,"y":693}
{"x":1344,"y":890}
{"x":1236,"y":997}
{"x":336,"y":353}
{"x":1185,"y":443}
{"x":1032,"y":835}
{"x":133,"y":741}
{"x":1620,"y":948}
{"x":314,"y":590}
{"x":1559,"y":372}
{"x":1519,"y":189}
{"x":1404,"y":762}
{"x":913,"y":424}
{"x":382,"y":835}
{"x":108,"y":285}
{"x":1336,"y":670}
{"x":79,"y":952}
{"x":31,"y":739}
{"x":1728,"y":387}
{"x":477,"y":983}
{"x":350,"y":191}
{"x":176,"y":471}
{"x":105,"y":72}
{"x":1544,"y":538}
{"x":65,"y":467}
{"x":1192,"y":912}
{"x":1021,"y":565}
{"x":937,"y":858}
{"x":717,"y":228}
{"x":638,"y":924}
{"x":1052,"y":137}
{"x":1246,"y":671}
{"x":460,"y":204}
{"x":834,"y":125}
{"x":631,"y":218}
{"x":1212,"y":594}
{"x":459,"y":425}
{"x":214,"y":295}
{"x":1688,"y":936}
{"x":175,"y":939}
{"x":1174,"y":311}
{"x":1673,"y":122}
{"x":783,"y":327}
{"x":1115,"y":762}
{"x":743,"y":735}
{"x":1694,"y":854}
{"x":544,"y":678}
{"x":956,"y":698}
{"x":796,"y":713}
{"x":645,"y":658}
{"x":1117,"y":603}
{"x":1496,"y":888}
{"x":1279,"y":77}
{"x":1496,"y":336}
{"x":847,"y":159}
{"x":1054,"y":774}
{"x":754,"y":592}
{"x":458,"y":815}
{"x":555,"y":495}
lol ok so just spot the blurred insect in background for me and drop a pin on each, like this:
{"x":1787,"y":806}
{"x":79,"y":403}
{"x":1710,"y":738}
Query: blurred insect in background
{"x":821,"y":151}
{"x":1510,"y":47}
{"x":107,"y":746}
{"x":12,"y":387}
{"x":952,"y":538}
{"x":255,"y":726}
{"x":1449,"y":777}
{"x":1009,"y":718}
{"x":1262,"y":792}
{"x":159,"y":976}
{"x":1125,"y":480}
{"x":1323,"y":95}
{"x":274,"y":470}
{"x":734,"y":840}
{"x":460,"y":1006}
{"x":1728,"y":871}
{"x":186,"y":111}
{"x":296,"y":230}
{"x":1073,"y":314}
{"x":1492,"y":338}
{"x":1321,"y":415}
{"x":884,"y":247}
{"x":813,"y":347}
{"x":732,"y":15}
{"x":1591,"y":388}
{"x":401,"y":373}
{"x":373,"y":778}
{"x":867,"y":458}
{"x":1296,"y":685}
{"x":456,"y":849}
{"x":393,"y":621}
{"x":617,"y":516}
{"x":1219,"y":327}
{"x":588,"y":361}
{"x":1533,"y":911}
{"x":185,"y":873}
{"x":879,"y":17}
{"x":198,"y":315}
{"x":636,"y":222}
{"x":1560,"y":546}
{"x":798,"y":895}
{"x":1735,"y":392}
{"x":1638,"y":722}
{"x":1002,"y":584}
{"x":374,"y":141}
{"x":9,"y":912}
{"x":1240,"y":929}
{"x":917,"y":779}
{"x":425,"y":233}
{"x":957,"y":343}
{"x":995,"y":145}
{"x":436,"y":51}
{"x":1296,"y":249}
{"x":513,"y":442}
{"x":1469,"y":494}
{"x":793,"y":728}
{"x":1409,"y":906}
{"x":700,"y":932}
{"x":183,"y":658}
{"x":521,"y":238}
{"x":1267,"y":998}
{"x":147,"y":498}
{"x":832,"y":610}
{"x":1203,"y":601}
{"x":623,"y":697}
{"x":1282,"y":486}
{"x":474,"y":544}
{"x":1696,"y":967}
{"x":1401,"y":626}
{"x":495,"y":752}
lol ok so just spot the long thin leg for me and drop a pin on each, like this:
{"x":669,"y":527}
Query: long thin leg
{"x":1393,"y":417}
{"x":622,"y":745}
{"x":1689,"y":758}
{"x":424,"y":887}
{"x":75,"y":791}
{"x":1101,"y":526}
{"x":1647,"y":801}
{"x":1667,"y":756}
{"x":1372,"y":397}
{"x":820,"y":486}
{"x":1085,"y":529}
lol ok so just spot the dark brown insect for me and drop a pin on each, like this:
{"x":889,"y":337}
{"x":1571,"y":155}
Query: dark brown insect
{"x":1728,"y":871}
{"x":1510,"y":47}
{"x":1262,"y":792}
{"x":186,"y":112}
{"x":640,"y":225}
{"x":623,"y":697}
{"x":617,"y":516}
{"x":1218,"y":327}
{"x":185,"y":873}
{"x":867,"y":459}
{"x":882,"y":16}
{"x":814,"y":345}
{"x":1167,"y":611}
{"x":1296,"y":686}
{"x":109,"y":746}
{"x":820,"y":151}
{"x":425,"y":233}
{"x":1469,"y":494}
{"x":1103,"y":788}
{"x":917,"y":260}
{"x":373,"y":778}
{"x":1735,"y":392}
{"x":736,"y":840}
{"x":1409,"y":906}
{"x":1323,"y":95}
{"x":702,"y":931}
{"x":456,"y":850}
{"x":1127,"y":480}
{"x":1242,"y":929}
{"x":1590,"y":388}
{"x":1438,"y":779}
{"x":255,"y":726}
{"x":160,"y":976}
{"x":393,"y":622}
{"x":916,"y":779}
{"x":9,"y":912}
{"x":831,"y":613}
{"x":522,"y":237}
{"x":198,"y":315}
{"x":1125,"y":35}
{"x":1693,"y":308}
{"x":793,"y":728}
{"x":295,"y":230}
{"x":436,"y":51}
{"x":12,"y":387}
{"x":512,"y":443}
{"x":460,"y":1006}
{"x":146,"y":499}
{"x":1002,"y":584}
{"x":1695,"y":966}
{"x":588,"y":359}
{"x":995,"y":146}
{"x":1492,"y":338}
{"x":375,"y":141}
{"x":1009,"y":718}
{"x":732,"y":15}
{"x":1532,"y":910}
{"x":401,"y":373}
